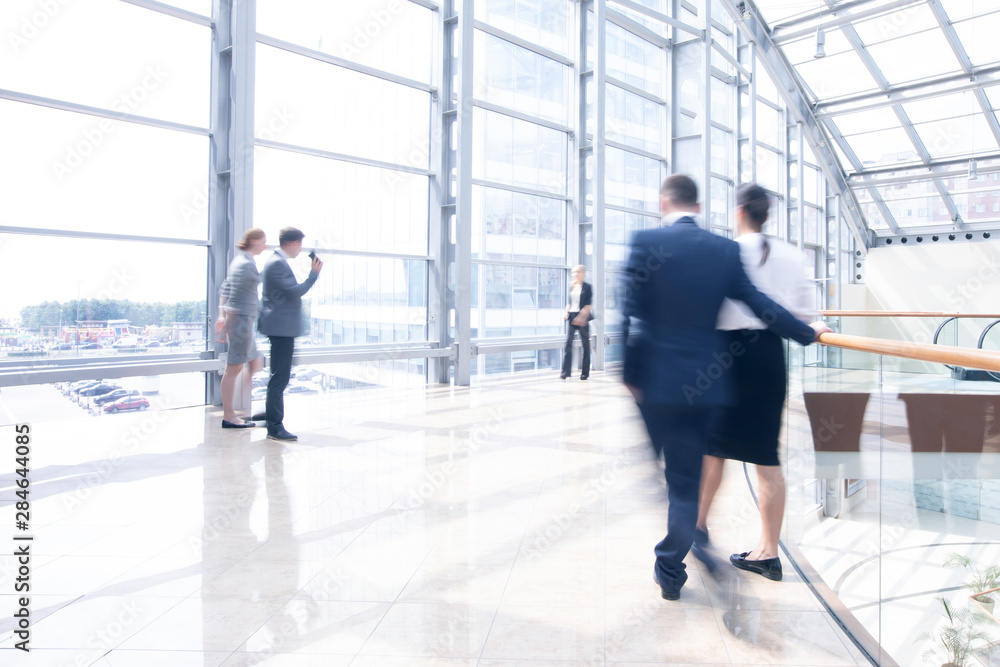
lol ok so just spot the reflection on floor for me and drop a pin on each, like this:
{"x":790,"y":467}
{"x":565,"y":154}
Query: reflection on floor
{"x":507,"y":524}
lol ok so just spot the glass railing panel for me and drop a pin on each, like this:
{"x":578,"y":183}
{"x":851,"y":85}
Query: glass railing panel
{"x":893,"y":466}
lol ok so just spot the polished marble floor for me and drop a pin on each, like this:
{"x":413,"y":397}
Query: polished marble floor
{"x":507,"y":524}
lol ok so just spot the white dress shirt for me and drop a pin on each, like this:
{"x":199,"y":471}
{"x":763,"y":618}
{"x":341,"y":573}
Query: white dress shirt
{"x":782,"y":277}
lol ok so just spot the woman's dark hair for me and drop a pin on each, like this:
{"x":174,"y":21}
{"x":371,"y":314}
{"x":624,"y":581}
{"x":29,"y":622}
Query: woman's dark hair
{"x":755,"y":201}
{"x":251,"y":235}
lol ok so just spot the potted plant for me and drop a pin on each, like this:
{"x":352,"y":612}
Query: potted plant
{"x":983,"y":583}
{"x":958,"y":638}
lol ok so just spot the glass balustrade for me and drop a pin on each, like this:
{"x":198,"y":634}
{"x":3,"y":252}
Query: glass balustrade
{"x":893,"y":495}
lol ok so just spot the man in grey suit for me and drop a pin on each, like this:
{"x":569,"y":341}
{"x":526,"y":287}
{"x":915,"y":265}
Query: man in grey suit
{"x":281,"y":321}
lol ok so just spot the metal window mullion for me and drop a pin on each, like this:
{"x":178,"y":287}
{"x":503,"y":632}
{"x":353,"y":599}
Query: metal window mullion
{"x":600,"y":158}
{"x":635,"y":28}
{"x":659,"y":16}
{"x":103,"y":236}
{"x":633,"y":149}
{"x":329,"y":59}
{"x":608,"y":79}
{"x":175,"y":12}
{"x":438,"y":210}
{"x":841,"y":14}
{"x":530,"y":265}
{"x":523,"y":43}
{"x":632,"y":211}
{"x":706,"y":125}
{"x":800,"y":163}
{"x":753,"y":111}
{"x":342,"y":157}
{"x":975,"y":80}
{"x":517,"y":188}
{"x":730,"y":58}
{"x":62,"y":105}
{"x":465,"y":34}
{"x":534,"y":120}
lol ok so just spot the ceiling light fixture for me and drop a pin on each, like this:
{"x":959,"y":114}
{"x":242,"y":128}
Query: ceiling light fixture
{"x":973,"y":170}
{"x":820,"y":43}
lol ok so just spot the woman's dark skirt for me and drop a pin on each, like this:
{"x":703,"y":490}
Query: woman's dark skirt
{"x":748,"y":430}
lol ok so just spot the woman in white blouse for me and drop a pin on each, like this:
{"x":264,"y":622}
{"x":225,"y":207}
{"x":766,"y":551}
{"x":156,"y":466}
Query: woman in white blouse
{"x":749,"y":429}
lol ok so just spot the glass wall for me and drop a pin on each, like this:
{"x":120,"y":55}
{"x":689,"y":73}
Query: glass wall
{"x":113,"y":172}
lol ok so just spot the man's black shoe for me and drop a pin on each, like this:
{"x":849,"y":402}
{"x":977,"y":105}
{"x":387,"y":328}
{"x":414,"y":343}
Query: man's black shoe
{"x":259,"y":417}
{"x":766,"y":567}
{"x":666,"y":593}
{"x":282,"y":435}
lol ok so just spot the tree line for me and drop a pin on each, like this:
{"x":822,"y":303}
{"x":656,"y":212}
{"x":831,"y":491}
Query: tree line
{"x":54,"y":313}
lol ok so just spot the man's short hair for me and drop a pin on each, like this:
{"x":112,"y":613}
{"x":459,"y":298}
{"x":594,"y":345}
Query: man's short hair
{"x":680,"y":189}
{"x":290,"y":235}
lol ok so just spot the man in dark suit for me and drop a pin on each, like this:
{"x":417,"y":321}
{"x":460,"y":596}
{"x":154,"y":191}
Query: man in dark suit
{"x":281,"y":321}
{"x":675,"y":361}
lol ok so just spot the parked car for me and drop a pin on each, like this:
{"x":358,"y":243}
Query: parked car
{"x":113,"y":396}
{"x":173,"y":343}
{"x":153,"y":343}
{"x":99,"y":389}
{"x":62,"y":346}
{"x":77,"y":387}
{"x":136,"y":402}
{"x":302,"y":389}
{"x":92,"y":346}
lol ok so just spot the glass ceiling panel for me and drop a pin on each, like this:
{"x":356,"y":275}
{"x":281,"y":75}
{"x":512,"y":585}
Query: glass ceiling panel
{"x":842,"y":157}
{"x":959,"y":10}
{"x":957,"y":137}
{"x":866,"y":121}
{"x":899,"y":23}
{"x":776,"y":11}
{"x":993,"y":95}
{"x":882,"y":148}
{"x":914,"y":57}
{"x":979,"y":38}
{"x":916,"y":211}
{"x":940,"y":108}
{"x":871,"y":212}
{"x":835,"y":76}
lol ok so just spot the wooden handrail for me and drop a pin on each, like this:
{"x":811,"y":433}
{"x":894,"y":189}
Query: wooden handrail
{"x":902,"y":313}
{"x":986,"y":360}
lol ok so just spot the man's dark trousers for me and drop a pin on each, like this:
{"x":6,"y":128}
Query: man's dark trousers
{"x":282,"y":348}
{"x":681,"y":434}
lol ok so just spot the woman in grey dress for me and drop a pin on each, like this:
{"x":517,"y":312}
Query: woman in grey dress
{"x":238,"y":305}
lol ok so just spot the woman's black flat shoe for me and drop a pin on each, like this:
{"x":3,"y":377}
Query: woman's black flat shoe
{"x":226,"y":424}
{"x":766,"y":567}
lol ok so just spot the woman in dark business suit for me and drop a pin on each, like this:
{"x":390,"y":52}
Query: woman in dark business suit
{"x":578,"y":309}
